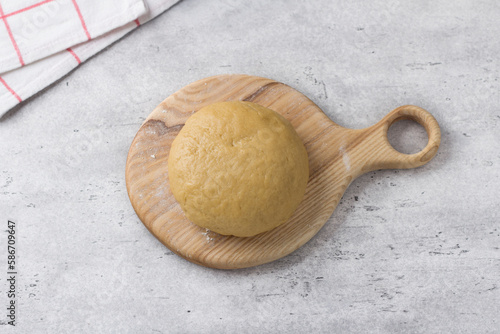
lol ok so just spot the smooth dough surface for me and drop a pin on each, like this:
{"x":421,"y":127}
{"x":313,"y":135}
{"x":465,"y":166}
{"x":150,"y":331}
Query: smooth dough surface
{"x":238,"y":168}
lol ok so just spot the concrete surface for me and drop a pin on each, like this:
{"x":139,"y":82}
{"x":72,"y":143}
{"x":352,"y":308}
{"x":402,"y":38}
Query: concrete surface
{"x":413,"y":251}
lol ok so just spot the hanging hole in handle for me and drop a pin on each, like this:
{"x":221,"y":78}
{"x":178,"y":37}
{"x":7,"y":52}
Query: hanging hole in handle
{"x":407,"y":136}
{"x":392,"y":158}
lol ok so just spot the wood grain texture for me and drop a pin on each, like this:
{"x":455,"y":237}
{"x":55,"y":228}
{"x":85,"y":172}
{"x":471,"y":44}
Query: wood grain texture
{"x":337,"y":156}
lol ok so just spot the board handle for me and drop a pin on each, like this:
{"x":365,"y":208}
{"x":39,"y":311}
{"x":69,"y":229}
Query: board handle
{"x":387,"y":157}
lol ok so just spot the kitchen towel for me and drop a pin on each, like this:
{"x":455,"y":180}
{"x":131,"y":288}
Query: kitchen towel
{"x":41,"y":41}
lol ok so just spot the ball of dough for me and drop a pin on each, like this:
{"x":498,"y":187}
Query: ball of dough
{"x":238,"y":168}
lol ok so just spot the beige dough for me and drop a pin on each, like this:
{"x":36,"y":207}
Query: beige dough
{"x":238,"y":168}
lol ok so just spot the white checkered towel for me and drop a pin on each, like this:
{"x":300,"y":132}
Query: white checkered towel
{"x":41,"y":41}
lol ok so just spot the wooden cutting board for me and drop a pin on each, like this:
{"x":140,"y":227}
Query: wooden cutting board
{"x":336,"y":157}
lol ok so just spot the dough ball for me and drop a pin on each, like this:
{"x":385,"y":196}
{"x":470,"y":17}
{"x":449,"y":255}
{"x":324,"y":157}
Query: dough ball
{"x":238,"y":168}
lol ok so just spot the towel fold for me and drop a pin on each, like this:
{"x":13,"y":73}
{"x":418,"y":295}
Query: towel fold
{"x":41,"y":41}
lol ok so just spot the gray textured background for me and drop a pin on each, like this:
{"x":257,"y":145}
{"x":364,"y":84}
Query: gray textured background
{"x":413,"y":251}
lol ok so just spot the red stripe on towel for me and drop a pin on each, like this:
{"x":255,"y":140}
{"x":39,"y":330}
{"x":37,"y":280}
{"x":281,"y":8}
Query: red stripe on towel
{"x":25,"y":9}
{"x":74,"y":55}
{"x":10,"y":89}
{"x":11,"y":37}
{"x":81,"y":19}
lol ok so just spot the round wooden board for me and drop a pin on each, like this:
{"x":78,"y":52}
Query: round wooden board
{"x":336,"y":156}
